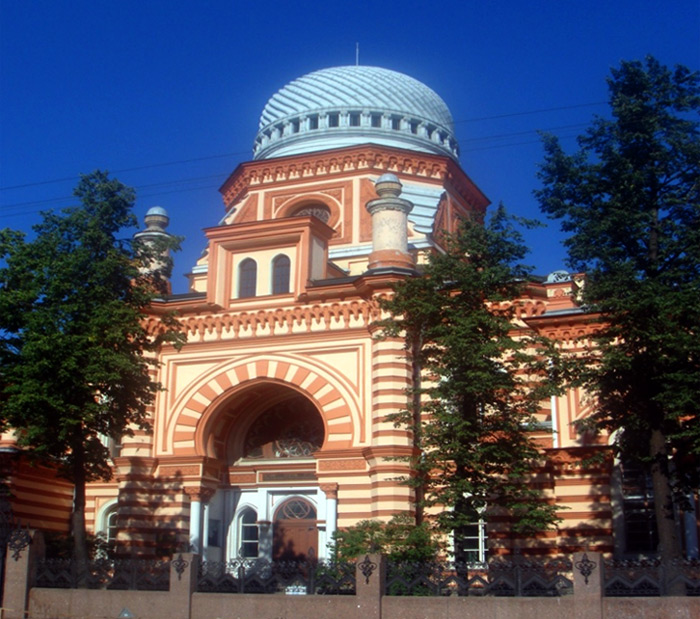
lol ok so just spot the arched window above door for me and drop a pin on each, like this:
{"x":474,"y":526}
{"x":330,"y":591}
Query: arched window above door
{"x":296,"y":509}
{"x":292,"y":428}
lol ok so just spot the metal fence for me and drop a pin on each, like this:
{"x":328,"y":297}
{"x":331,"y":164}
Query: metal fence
{"x":291,"y":577}
{"x":510,"y":578}
{"x":650,"y":577}
{"x":514,"y":577}
{"x":132,"y":574}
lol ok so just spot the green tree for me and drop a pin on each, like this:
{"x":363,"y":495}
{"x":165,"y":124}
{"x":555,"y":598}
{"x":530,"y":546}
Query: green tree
{"x":630,"y":200}
{"x":399,"y":539}
{"x":74,"y":353}
{"x":476,"y":383}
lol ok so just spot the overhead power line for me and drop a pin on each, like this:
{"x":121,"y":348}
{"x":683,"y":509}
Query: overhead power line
{"x":247,"y":152}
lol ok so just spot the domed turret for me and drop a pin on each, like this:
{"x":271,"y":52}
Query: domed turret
{"x":345,"y":106}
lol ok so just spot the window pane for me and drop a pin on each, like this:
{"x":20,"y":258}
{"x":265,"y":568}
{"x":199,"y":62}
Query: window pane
{"x":247,"y":277}
{"x":214,"y":537}
{"x":112,"y":526}
{"x":280,"y":275}
{"x":638,"y":510}
{"x":249,"y":534}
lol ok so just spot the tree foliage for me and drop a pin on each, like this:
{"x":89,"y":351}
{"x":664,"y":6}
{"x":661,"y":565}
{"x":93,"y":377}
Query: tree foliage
{"x":399,"y":539}
{"x":74,"y":353}
{"x":630,"y":201}
{"x":476,"y":384}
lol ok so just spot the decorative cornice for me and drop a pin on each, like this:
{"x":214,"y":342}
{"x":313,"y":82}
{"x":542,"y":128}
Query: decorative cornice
{"x":333,"y":316}
{"x":355,"y":464}
{"x":299,"y":319}
{"x":521,"y":309}
{"x":367,"y":158}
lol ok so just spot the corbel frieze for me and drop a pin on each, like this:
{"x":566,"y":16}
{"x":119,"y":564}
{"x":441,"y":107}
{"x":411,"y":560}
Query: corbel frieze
{"x":260,"y":173}
{"x":335,"y":316}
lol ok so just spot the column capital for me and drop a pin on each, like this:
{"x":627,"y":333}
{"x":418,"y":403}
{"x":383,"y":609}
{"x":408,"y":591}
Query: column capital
{"x":199,"y":493}
{"x":330,"y":489}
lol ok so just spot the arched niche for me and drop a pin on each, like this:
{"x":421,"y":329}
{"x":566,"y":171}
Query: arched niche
{"x":202,"y":416}
{"x":288,"y":428}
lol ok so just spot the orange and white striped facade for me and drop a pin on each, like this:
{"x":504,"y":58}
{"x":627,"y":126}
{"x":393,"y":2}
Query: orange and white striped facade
{"x":271,"y":431}
{"x":191,"y":477}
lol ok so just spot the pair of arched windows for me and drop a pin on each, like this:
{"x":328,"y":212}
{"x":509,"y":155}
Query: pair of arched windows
{"x":248,"y":276}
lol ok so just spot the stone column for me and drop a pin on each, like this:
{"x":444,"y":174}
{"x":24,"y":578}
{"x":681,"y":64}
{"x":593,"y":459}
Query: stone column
{"x":331,"y":492}
{"x":389,"y":225}
{"x":195,"y":524}
{"x":198,"y":496}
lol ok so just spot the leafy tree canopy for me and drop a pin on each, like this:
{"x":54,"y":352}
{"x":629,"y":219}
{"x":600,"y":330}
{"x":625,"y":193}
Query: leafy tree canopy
{"x":74,"y":353}
{"x":630,"y":200}
{"x":399,"y":539}
{"x":476,"y":383}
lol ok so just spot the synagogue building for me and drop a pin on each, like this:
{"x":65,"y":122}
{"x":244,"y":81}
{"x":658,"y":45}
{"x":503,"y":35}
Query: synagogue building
{"x":271,"y":431}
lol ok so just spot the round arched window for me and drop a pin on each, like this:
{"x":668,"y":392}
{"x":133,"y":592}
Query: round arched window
{"x":289,"y":429}
{"x":296,"y":509}
{"x":316,"y":209}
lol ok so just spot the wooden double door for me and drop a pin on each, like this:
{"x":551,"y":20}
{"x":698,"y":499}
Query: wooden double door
{"x":295,"y":531}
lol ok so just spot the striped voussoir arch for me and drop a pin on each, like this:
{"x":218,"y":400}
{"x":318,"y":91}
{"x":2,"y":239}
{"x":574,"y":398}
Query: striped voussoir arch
{"x":303,"y":377}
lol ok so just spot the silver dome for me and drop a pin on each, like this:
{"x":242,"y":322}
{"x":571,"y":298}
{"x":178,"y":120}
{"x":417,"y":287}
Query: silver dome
{"x":344,"y":106}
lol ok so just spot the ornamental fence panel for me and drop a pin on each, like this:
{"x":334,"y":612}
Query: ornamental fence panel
{"x":119,"y":574}
{"x":316,"y":577}
{"x":650,"y":577}
{"x":510,"y":578}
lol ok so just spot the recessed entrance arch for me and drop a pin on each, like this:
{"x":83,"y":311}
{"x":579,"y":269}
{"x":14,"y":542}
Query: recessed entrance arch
{"x":197,"y":421}
{"x":266,"y":435}
{"x":263,"y":420}
{"x":259,"y":421}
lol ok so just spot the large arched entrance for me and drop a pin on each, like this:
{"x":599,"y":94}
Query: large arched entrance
{"x":272,"y":506}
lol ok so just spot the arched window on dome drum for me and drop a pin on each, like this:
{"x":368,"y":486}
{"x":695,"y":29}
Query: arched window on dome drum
{"x":247,"y":278}
{"x":280,"y":274}
{"x":317,"y":209}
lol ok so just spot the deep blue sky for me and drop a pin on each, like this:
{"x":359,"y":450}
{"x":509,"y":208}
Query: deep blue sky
{"x":166,"y":95}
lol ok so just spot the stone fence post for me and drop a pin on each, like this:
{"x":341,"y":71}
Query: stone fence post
{"x":370,"y":578}
{"x":588,"y":585}
{"x":184,"y":569}
{"x":20,"y":570}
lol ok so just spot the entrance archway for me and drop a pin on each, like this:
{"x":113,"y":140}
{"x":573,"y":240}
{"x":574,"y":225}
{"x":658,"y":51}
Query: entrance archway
{"x":295,"y":531}
{"x":267,"y":435}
